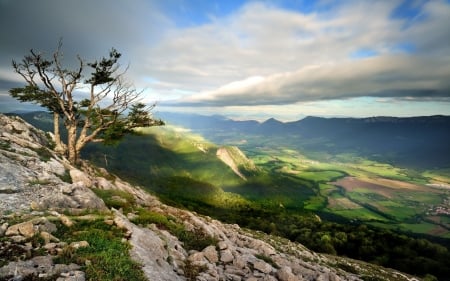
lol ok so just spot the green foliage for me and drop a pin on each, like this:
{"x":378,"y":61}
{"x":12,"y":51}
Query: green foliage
{"x":145,"y":217}
{"x":192,"y":240}
{"x":103,"y":70}
{"x":5,"y":145}
{"x":346,"y":267}
{"x":117,"y":199}
{"x":371,"y":278}
{"x":268,"y":260}
{"x":65,"y":177}
{"x":191,"y":271}
{"x":106,"y":258}
{"x":50,"y":143}
{"x":44,"y":153}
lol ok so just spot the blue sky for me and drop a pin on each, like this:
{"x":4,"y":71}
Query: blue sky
{"x":251,"y":59}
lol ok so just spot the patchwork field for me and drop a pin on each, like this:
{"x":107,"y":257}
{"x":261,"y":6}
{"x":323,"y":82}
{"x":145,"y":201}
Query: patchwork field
{"x":367,"y":191}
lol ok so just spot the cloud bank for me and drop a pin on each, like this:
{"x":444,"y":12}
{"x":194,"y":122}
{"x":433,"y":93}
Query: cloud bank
{"x":272,"y":56}
{"x":257,"y":54}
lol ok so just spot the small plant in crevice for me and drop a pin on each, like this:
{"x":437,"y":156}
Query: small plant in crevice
{"x":346,"y":267}
{"x":65,"y":177}
{"x":117,"y":199}
{"x":50,"y":142}
{"x":195,"y":240}
{"x":268,"y":260}
{"x":191,"y":271}
{"x":371,"y":278}
{"x":5,"y":145}
{"x":44,"y":153}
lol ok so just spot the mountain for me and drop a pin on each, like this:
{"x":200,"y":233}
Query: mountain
{"x":413,"y":142}
{"x":60,"y":222}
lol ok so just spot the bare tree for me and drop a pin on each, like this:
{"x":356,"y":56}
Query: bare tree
{"x":111,"y":109}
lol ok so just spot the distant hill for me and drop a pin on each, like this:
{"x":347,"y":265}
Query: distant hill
{"x":415,"y":142}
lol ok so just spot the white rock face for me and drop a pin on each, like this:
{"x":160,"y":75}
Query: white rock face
{"x":149,"y":249}
{"x":28,"y":180}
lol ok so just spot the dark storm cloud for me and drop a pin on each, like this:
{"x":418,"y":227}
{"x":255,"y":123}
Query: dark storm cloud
{"x":88,"y":28}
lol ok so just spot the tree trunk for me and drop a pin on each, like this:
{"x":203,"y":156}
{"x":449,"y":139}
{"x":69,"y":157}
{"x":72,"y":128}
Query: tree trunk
{"x":71,"y":143}
{"x":60,"y":147}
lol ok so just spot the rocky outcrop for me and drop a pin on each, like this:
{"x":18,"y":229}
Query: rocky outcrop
{"x":234,"y":158}
{"x":32,"y":176}
{"x":38,"y":185}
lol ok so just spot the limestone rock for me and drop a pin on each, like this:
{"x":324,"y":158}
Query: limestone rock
{"x":285,"y":274}
{"x":48,"y":237}
{"x":211,"y":254}
{"x":31,"y":228}
{"x":149,"y":249}
{"x":3,"y":228}
{"x":79,"y":244}
{"x":262,"y":266}
{"x":66,"y":220}
{"x":79,"y":176}
{"x":226,"y":256}
{"x":72,"y":276}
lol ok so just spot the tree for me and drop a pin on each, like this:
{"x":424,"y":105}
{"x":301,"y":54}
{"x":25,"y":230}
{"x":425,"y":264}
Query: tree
{"x":110,"y":110}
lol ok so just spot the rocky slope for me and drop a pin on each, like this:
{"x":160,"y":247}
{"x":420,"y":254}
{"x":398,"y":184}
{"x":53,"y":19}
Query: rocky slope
{"x":41,"y":194}
{"x":233,"y":157}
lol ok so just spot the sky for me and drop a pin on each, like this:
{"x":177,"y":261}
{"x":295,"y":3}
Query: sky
{"x":250,"y":59}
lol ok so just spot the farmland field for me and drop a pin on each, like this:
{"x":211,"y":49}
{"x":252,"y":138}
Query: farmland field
{"x":365,"y":190}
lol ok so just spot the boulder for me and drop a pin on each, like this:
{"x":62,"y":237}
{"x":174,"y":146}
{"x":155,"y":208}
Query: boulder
{"x":262,"y":266}
{"x":226,"y":256}
{"x":30,"y":228}
{"x":79,"y":244}
{"x":79,"y":176}
{"x":211,"y":254}
{"x":285,"y":274}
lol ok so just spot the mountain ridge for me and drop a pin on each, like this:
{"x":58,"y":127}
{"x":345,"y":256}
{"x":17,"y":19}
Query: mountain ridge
{"x":413,"y":142}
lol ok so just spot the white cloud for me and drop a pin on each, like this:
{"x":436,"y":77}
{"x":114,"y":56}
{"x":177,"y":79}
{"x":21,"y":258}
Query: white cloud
{"x":301,"y":57}
{"x":257,"y":55}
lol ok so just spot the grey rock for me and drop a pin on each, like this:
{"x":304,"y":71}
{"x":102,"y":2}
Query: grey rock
{"x":285,"y":274}
{"x":262,"y":266}
{"x":211,"y":254}
{"x":79,"y":176}
{"x":226,"y":256}
{"x":72,"y":276}
{"x":79,"y":244}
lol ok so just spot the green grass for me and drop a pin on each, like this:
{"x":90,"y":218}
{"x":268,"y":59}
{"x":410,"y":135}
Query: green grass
{"x":117,"y":199}
{"x":192,"y":240}
{"x":320,"y":176}
{"x":316,"y":203}
{"x":422,"y":227}
{"x":360,"y":214}
{"x":106,"y":258}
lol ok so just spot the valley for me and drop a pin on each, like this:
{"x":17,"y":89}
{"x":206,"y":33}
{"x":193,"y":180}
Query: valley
{"x":341,"y":203}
